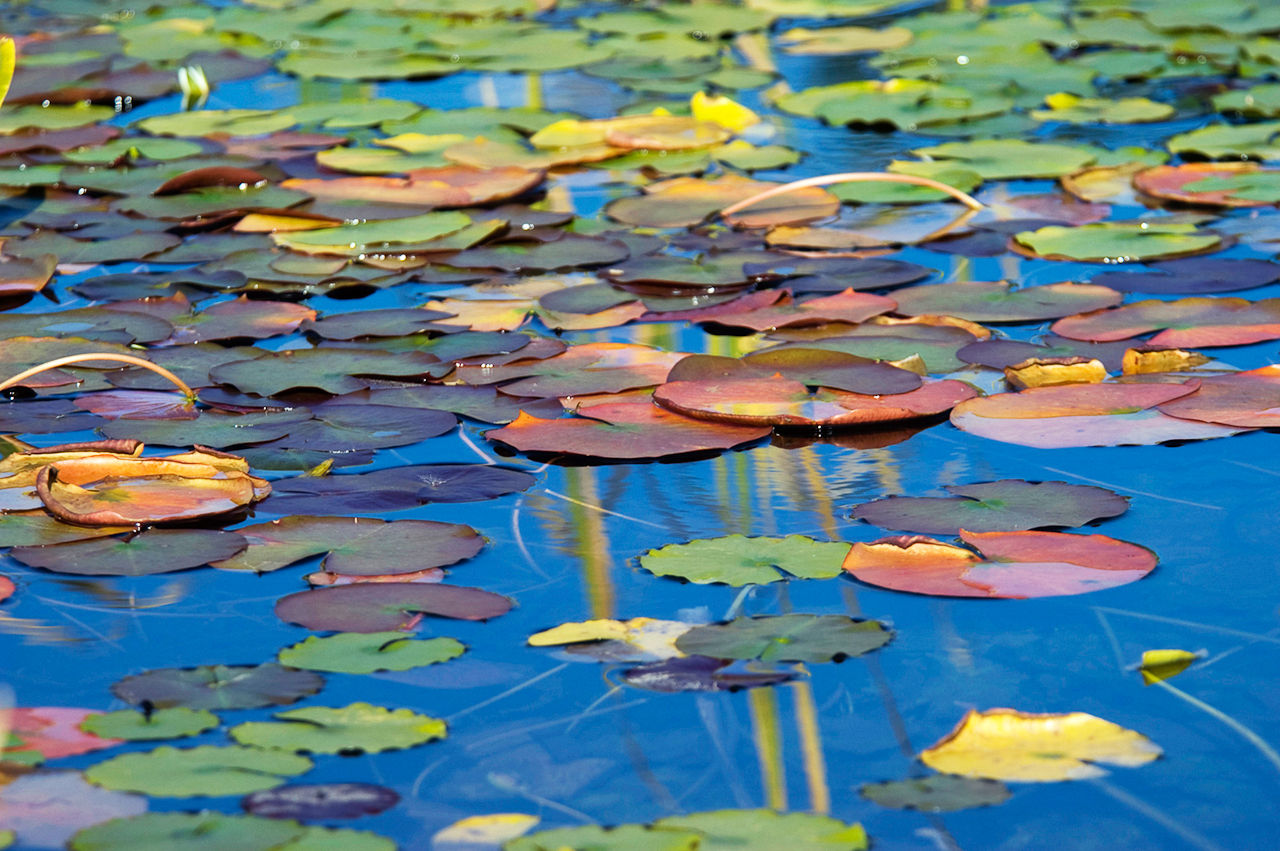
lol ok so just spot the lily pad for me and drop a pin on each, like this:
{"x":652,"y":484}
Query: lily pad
{"x":379,"y":607}
{"x":1242,"y":399}
{"x":941,"y":793}
{"x":357,"y":728}
{"x":700,"y":674}
{"x":218,"y":686}
{"x":1193,"y":276}
{"x":812,"y":367}
{"x":626,"y":837}
{"x":905,"y":103}
{"x":214,"y":428}
{"x":1074,"y":109}
{"x":1005,"y":159}
{"x":331,"y":370}
{"x":1185,"y":323}
{"x":133,"y":726}
{"x":1004,"y":744}
{"x":315,"y":801}
{"x":1109,"y":242}
{"x":1015,"y":565}
{"x":1000,"y":302}
{"x":365,"y":653}
{"x":46,"y":808}
{"x":760,"y":830}
{"x":786,"y":638}
{"x":205,"y":771}
{"x":687,"y":201}
{"x":204,"y":831}
{"x":1255,"y":141}
{"x":739,"y":560}
{"x":39,"y":530}
{"x":1009,"y":505}
{"x":150,"y":552}
{"x":1212,"y":184}
{"x":395,"y":488}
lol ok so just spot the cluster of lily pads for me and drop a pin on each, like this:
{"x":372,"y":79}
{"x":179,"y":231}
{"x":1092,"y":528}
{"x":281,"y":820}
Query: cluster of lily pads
{"x":492,"y":223}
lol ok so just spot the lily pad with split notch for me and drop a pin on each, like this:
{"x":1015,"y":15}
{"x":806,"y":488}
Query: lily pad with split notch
{"x":1001,"y":302}
{"x":149,"y":552}
{"x":338,"y":427}
{"x":133,"y":726}
{"x":740,"y":560}
{"x":380,"y":607}
{"x":366,"y":653}
{"x":1193,"y":276}
{"x":786,"y":638}
{"x":218,"y":686}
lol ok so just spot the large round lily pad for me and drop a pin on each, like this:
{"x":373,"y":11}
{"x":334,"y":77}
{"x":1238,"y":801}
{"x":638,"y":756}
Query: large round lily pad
{"x":1243,"y":399}
{"x":131,"y":725}
{"x":152,"y":551}
{"x":385,"y":607}
{"x":203,"y":831}
{"x":218,"y":687}
{"x":1185,"y":323}
{"x":205,"y":771}
{"x":740,"y":560}
{"x":1193,"y":276}
{"x":1003,"y":159}
{"x":1009,"y":505}
{"x":1111,"y":242}
{"x":1000,"y":302}
{"x":395,"y":488}
{"x":786,"y":638}
{"x":357,"y":728}
{"x":365,"y":653}
{"x":813,"y":367}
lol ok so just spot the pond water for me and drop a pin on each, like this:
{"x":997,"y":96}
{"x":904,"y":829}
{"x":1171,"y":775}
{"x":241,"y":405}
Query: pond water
{"x":541,"y":731}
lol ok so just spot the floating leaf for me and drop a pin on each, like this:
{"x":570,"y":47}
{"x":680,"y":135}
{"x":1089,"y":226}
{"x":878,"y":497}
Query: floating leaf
{"x":357,"y":728}
{"x":133,"y":726}
{"x":218,"y":686}
{"x":46,"y":808}
{"x":813,"y":367}
{"x":378,"y":607}
{"x":1159,"y":665}
{"x":365,"y":653}
{"x":908,"y":104}
{"x":1009,"y":505}
{"x":1074,"y":109}
{"x":941,"y":793}
{"x":6,"y":588}
{"x":1212,"y":184}
{"x":51,"y":732}
{"x":1109,"y":242}
{"x":687,"y":201}
{"x":1000,"y":302}
{"x":779,"y":310}
{"x":635,"y":640}
{"x":1004,"y":744}
{"x":1230,"y":141}
{"x":396,"y":488}
{"x":582,"y":369}
{"x":739,"y":560}
{"x":478,"y":833}
{"x":1017,"y":565}
{"x":204,"y":831}
{"x":331,"y":370}
{"x":840,"y":40}
{"x":624,"y":431}
{"x":1185,"y":323}
{"x":699,"y":674}
{"x":1193,"y":275}
{"x":152,"y":551}
{"x":207,"y":770}
{"x":1243,"y":399}
{"x":1004,"y":159}
{"x":312,"y":802}
{"x":760,"y":830}
{"x":786,"y":638}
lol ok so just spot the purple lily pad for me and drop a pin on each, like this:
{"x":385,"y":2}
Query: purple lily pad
{"x":383,"y":607}
{"x":394,"y":489}
{"x":1193,"y":275}
{"x":314,"y":801}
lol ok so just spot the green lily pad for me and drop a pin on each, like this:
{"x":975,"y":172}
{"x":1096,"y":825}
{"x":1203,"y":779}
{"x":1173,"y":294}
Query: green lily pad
{"x":209,"y":201}
{"x":384,"y":161}
{"x":1009,"y":505}
{"x":7,"y":838}
{"x":357,"y":728}
{"x":1111,"y":242}
{"x":370,"y":66}
{"x":1261,"y":186}
{"x":218,"y":686}
{"x":340,"y":114}
{"x":786,"y":638}
{"x":980,"y":301}
{"x":235,"y":122}
{"x":206,"y":771}
{"x":1230,"y":141}
{"x":747,"y":157}
{"x":150,"y":552}
{"x":1005,"y":159}
{"x":135,"y":148}
{"x":878,"y":192}
{"x":204,"y":831}
{"x":624,"y":837}
{"x":905,"y":103}
{"x":941,"y":793}
{"x":338,"y":839}
{"x":13,"y":119}
{"x":766,"y":830}
{"x":358,"y":237}
{"x":365,"y":653}
{"x":1257,"y":102}
{"x":356,"y":546}
{"x":134,"y":726}
{"x":218,"y":429}
{"x":1073,"y":109}
{"x":739,"y":560}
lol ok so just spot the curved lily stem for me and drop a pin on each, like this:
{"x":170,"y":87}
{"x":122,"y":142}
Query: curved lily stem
{"x":854,"y":177}
{"x":1253,"y":738}
{"x":97,"y":356}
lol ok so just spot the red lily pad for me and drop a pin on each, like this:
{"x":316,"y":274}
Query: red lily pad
{"x":53,"y":732}
{"x":320,"y":801}
{"x":1188,"y":323}
{"x":624,"y":431}
{"x":1009,"y":505}
{"x":813,"y":367}
{"x":1016,"y":565}
{"x":153,"y":551}
{"x":1000,"y":302}
{"x":782,"y":402}
{"x":848,"y":306}
{"x":394,"y":489}
{"x":1193,"y":275}
{"x":377,"y":607}
{"x":1244,"y":399}
{"x":6,"y":588}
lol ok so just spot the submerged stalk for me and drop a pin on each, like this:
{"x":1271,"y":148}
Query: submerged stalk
{"x":92,"y":356}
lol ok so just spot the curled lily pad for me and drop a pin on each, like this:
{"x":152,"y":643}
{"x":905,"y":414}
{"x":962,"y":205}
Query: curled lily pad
{"x":395,"y":488}
{"x":634,"y":640}
{"x":218,"y":686}
{"x":357,"y":728}
{"x":131,"y":725}
{"x":311,"y":802}
{"x":1111,"y":242}
{"x":1010,"y":505}
{"x":740,"y":560}
{"x":1004,"y":744}
{"x":1185,"y":323}
{"x":152,"y":551}
{"x":782,"y":402}
{"x":941,"y":793}
{"x":1000,"y":302}
{"x":204,"y":831}
{"x":625,"y":431}
{"x":208,"y":770}
{"x":1255,"y":141}
{"x":378,"y":607}
{"x":365,"y":653}
{"x":355,"y":546}
{"x":1017,"y":565}
{"x":786,"y":638}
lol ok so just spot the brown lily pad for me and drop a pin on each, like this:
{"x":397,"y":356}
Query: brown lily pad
{"x":382,"y":607}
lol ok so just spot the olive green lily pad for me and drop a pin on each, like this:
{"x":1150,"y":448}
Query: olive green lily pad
{"x":364,"y":653}
{"x":1230,"y":141}
{"x":905,"y":103}
{"x":1005,"y":159}
{"x":786,"y":638}
{"x":235,"y":122}
{"x":341,"y":114}
{"x":766,"y":830}
{"x":205,"y":771}
{"x":1257,"y":102}
{"x":624,"y":837}
{"x":739,"y":560}
{"x":1110,"y":242}
{"x":7,"y":838}
{"x":15,"y":118}
{"x":134,"y":726}
{"x":134,"y":148}
{"x":940,"y":793}
{"x":880,"y":192}
{"x":1074,"y":109}
{"x":204,"y":831}
{"x":39,"y":530}
{"x":338,"y":839}
{"x":357,"y":728}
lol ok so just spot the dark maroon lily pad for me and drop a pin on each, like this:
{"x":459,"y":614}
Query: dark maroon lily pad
{"x":394,"y":489}
{"x":318,"y":801}
{"x":152,"y":551}
{"x":219,"y":686}
{"x":1010,"y":505}
{"x":1192,"y":276}
{"x":814,"y":367}
{"x":382,"y":607}
{"x":698,"y":674}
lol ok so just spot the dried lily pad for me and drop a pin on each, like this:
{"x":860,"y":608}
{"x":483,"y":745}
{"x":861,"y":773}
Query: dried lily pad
{"x":1017,"y":565}
{"x":218,"y":687}
{"x":786,"y":638}
{"x":1000,"y":302}
{"x":152,"y":551}
{"x":1009,"y":505}
{"x":331,"y":370}
{"x":385,"y":607}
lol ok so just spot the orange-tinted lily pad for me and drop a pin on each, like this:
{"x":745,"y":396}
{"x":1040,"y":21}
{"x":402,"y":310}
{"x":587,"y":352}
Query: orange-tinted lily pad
{"x":583,"y":369}
{"x":26,"y":275}
{"x":1188,"y":323}
{"x":1017,"y":565}
{"x":1246,"y":399}
{"x":781,"y":402}
{"x":1214,"y":184}
{"x":625,"y":431}
{"x":6,"y":588}
{"x":784,"y":312}
{"x":687,"y":201}
{"x":813,"y":367}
